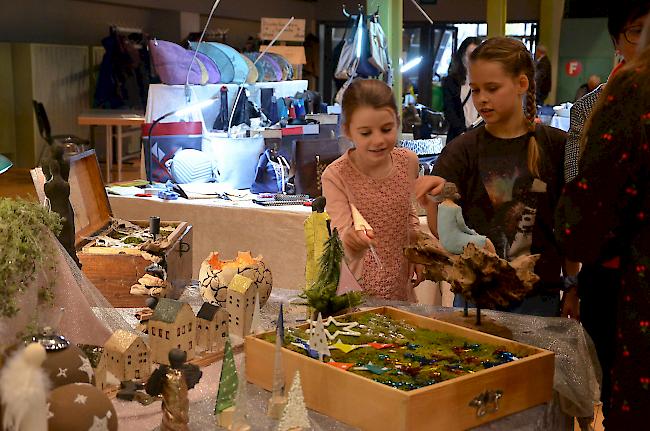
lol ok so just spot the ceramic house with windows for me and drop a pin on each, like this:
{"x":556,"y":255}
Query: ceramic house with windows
{"x":240,"y":304}
{"x":126,"y":356}
{"x":211,"y":328}
{"x":171,"y":326}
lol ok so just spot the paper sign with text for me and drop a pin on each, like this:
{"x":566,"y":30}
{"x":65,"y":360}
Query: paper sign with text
{"x":272,"y":26}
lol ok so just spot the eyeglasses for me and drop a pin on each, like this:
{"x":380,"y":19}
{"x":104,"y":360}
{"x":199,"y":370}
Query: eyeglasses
{"x":633,"y":34}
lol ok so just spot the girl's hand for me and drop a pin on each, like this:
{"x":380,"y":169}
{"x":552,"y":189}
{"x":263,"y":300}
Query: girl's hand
{"x":417,"y":273}
{"x":571,"y":304}
{"x":428,"y":185}
{"x":358,"y":240}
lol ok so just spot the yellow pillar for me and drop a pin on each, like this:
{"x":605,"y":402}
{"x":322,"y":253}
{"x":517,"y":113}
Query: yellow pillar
{"x":391,"y":17}
{"x":497,"y":14}
{"x":550,"y":24}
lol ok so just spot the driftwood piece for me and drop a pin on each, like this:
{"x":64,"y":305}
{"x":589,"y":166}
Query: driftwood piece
{"x":480,"y":276}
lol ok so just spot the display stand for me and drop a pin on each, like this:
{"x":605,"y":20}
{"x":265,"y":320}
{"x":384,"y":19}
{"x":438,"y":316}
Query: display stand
{"x":166,"y":98}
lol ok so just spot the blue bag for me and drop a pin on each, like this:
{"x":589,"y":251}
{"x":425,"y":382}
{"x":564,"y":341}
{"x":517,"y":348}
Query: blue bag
{"x":272,"y":173}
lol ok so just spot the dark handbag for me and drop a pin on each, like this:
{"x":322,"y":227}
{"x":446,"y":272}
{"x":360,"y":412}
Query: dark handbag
{"x":433,"y":123}
{"x":242,"y":113}
{"x":221,"y":122}
{"x":312,"y":101}
{"x":311,"y":158}
{"x":272,"y":173}
{"x":269,"y":104}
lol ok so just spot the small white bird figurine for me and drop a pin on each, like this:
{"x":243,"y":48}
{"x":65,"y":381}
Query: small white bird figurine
{"x":23,"y":390}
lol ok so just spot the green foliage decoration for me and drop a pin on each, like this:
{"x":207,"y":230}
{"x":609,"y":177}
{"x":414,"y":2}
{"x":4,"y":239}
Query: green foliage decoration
{"x":24,"y":250}
{"x":322,"y":296}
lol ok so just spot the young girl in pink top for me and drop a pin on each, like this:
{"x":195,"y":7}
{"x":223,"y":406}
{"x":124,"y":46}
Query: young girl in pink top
{"x":378,"y":179}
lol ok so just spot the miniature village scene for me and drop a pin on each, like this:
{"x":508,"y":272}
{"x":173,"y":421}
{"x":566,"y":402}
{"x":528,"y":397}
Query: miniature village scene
{"x":159,"y":344}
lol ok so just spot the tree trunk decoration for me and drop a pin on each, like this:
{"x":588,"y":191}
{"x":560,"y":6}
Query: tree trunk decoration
{"x":480,"y":276}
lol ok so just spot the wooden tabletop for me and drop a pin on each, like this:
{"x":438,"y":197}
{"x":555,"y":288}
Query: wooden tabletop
{"x":110,"y":117}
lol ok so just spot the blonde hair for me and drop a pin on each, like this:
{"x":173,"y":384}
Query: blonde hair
{"x":516,"y":60}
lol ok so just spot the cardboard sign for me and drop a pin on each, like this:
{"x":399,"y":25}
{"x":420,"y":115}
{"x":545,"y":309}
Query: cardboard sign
{"x":272,"y":26}
{"x":573,"y":68}
{"x":294,"y":54}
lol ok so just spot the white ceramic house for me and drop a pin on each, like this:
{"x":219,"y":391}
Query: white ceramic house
{"x":211,"y":327}
{"x":240,"y":303}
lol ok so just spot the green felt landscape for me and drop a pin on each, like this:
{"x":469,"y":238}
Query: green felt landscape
{"x":417,"y":358}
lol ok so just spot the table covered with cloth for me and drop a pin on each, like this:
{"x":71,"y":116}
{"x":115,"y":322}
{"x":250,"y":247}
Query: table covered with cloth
{"x":575,"y":378}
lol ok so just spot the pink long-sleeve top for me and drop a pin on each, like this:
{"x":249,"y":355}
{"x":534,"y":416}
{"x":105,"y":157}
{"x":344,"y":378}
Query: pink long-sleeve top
{"x":386,"y":204}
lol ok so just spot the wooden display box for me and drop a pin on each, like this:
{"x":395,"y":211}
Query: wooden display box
{"x":370,"y":405}
{"x":114,"y":270}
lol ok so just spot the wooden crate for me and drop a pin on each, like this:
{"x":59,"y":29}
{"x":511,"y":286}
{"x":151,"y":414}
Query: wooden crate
{"x":370,"y":405}
{"x":114,"y":270}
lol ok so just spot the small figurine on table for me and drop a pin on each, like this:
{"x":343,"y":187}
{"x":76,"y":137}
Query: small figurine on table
{"x":317,"y":232}
{"x":454,"y":233}
{"x":57,"y":191}
{"x":173,"y":382}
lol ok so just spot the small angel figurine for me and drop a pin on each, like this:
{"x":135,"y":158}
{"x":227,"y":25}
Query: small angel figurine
{"x":454,"y":233}
{"x":173,"y":382}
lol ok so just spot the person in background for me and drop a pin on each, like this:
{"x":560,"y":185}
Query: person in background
{"x":604,"y":216}
{"x":459,"y":109}
{"x":508,"y":171}
{"x":624,"y":23}
{"x":587,"y":87}
{"x":588,"y":295}
{"x":543,"y":74}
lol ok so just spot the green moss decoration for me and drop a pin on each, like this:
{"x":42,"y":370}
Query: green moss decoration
{"x":23,"y":251}
{"x":322,"y":295}
{"x":417,"y":357}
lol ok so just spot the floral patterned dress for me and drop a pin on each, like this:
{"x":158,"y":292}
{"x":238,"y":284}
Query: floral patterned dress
{"x":604,"y":215}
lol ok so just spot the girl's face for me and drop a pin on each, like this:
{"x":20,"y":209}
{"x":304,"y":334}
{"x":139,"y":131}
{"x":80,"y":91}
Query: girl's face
{"x":497,"y":96}
{"x":374,"y":133}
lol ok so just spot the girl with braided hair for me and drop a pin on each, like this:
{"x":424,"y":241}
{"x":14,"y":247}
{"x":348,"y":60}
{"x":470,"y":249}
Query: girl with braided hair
{"x":509,"y":170}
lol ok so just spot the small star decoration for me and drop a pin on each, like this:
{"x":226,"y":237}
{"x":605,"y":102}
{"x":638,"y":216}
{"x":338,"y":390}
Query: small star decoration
{"x":346,"y":328}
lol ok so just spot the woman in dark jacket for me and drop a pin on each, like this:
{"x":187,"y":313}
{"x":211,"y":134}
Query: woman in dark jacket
{"x":455,"y":91}
{"x":604,"y":216}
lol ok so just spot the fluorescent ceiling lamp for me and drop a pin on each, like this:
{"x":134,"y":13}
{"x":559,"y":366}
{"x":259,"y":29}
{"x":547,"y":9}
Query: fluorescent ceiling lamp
{"x":411,"y":64}
{"x":5,"y":164}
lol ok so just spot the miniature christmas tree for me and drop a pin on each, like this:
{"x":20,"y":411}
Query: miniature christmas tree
{"x":322,"y":295}
{"x":256,"y":321}
{"x":295,"y":416}
{"x":239,"y":419}
{"x":278,"y":400}
{"x":227,"y":382}
{"x":318,"y":339}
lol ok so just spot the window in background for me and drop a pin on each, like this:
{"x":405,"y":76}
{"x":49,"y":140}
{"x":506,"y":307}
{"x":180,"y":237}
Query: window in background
{"x":524,"y":31}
